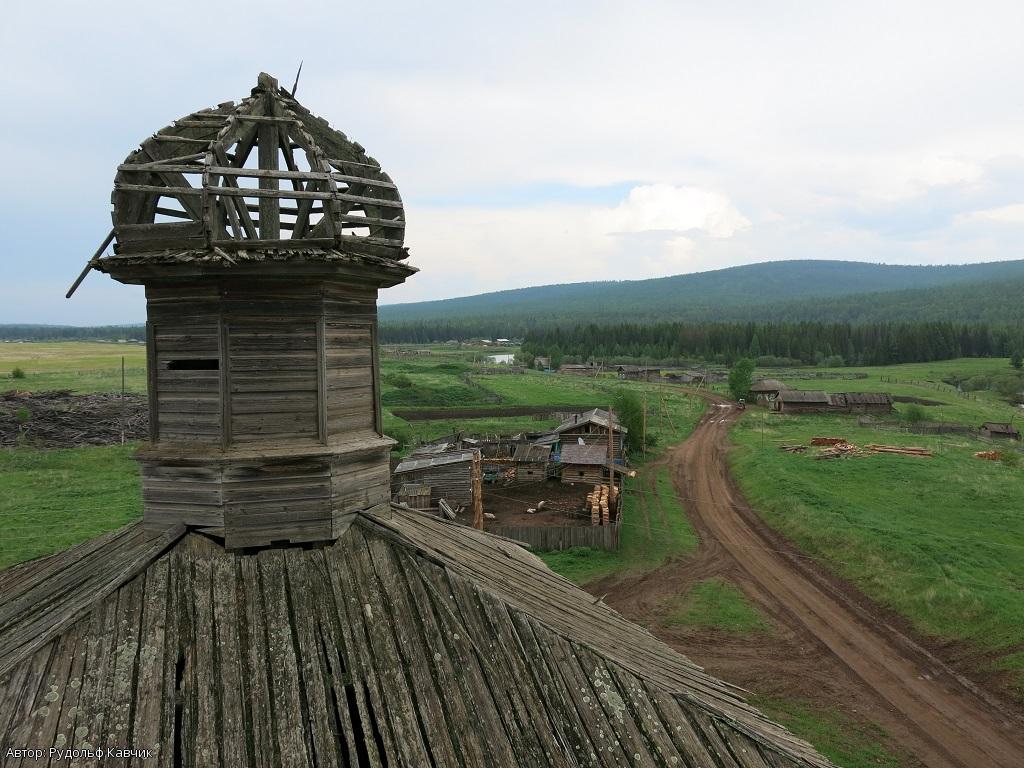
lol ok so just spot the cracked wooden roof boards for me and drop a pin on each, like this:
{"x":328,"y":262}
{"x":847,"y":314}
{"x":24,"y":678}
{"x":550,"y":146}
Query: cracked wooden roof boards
{"x":408,"y":641}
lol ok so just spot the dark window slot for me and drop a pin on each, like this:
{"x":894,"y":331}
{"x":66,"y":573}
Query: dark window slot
{"x":197,"y":364}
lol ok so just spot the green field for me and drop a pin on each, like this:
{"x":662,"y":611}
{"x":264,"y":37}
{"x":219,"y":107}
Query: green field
{"x":50,"y":500}
{"x":80,"y":366}
{"x":938,"y":540}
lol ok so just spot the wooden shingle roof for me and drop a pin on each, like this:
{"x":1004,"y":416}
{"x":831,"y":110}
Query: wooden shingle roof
{"x":594,"y":416}
{"x":803,"y":396}
{"x":573,"y":453}
{"x":408,"y":641}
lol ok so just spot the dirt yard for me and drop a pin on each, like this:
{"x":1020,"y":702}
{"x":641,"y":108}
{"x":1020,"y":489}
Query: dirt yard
{"x":563,"y":504}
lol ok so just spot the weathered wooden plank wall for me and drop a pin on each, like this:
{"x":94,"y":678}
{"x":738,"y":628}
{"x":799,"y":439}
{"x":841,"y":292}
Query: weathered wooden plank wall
{"x":557,"y":537}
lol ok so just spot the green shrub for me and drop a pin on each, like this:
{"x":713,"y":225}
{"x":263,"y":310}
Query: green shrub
{"x":914,"y":414}
{"x":18,"y":373}
{"x":22,"y":415}
{"x":398,"y":380}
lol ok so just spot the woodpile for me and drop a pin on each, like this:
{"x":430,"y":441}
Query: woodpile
{"x":902,"y":450}
{"x":59,"y":419}
{"x":988,"y":455}
{"x":835,"y":448}
{"x":599,"y":501}
{"x":793,"y":448}
{"x":839,"y":450}
{"x":830,"y":441}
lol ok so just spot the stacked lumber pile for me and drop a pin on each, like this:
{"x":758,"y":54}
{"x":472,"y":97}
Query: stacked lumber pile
{"x":902,"y":450}
{"x":597,"y":501}
{"x":988,"y":455}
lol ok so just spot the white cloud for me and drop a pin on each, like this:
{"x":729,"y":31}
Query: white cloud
{"x":1004,"y":214}
{"x":746,"y":133}
{"x":653,"y":232}
{"x":666,"y":208}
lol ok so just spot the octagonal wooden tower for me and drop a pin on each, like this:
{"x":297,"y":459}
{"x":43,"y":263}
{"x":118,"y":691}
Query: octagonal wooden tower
{"x":262,"y":236}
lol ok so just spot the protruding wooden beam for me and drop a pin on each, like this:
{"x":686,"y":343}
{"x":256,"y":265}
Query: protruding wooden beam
{"x":99,"y":252}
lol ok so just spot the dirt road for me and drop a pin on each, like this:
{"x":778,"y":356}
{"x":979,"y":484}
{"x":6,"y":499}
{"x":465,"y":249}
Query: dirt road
{"x":939,"y":716}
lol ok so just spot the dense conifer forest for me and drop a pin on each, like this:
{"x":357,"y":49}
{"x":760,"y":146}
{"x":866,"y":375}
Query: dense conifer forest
{"x":806,"y":343}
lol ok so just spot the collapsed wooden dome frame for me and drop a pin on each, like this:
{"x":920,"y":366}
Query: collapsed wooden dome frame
{"x":263,"y":173}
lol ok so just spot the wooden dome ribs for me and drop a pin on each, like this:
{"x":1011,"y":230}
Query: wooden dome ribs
{"x":337,"y":198}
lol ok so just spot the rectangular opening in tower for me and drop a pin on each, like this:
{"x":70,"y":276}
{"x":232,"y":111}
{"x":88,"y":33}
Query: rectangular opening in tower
{"x":194,"y":364}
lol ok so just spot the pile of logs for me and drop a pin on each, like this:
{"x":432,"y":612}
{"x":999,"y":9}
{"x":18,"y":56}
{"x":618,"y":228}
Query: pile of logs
{"x":829,"y":441}
{"x":839,"y":450}
{"x":902,"y":450}
{"x":988,"y":455}
{"x":601,"y":501}
{"x":60,"y":419}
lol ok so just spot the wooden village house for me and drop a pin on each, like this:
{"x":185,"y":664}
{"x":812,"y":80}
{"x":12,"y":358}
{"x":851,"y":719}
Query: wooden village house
{"x":449,"y":475}
{"x":273,"y":608}
{"x":765,"y":391}
{"x":531,"y":462}
{"x":861,"y":402}
{"x":638,"y":372}
{"x":816,"y":401}
{"x":584,"y":463}
{"x":592,"y":428}
{"x":999,"y":430}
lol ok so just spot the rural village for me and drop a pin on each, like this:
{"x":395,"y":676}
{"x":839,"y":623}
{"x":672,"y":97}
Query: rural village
{"x":285,"y":521}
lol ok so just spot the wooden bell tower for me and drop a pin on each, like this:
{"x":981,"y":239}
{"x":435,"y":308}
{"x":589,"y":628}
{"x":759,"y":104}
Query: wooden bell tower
{"x":262,"y":237}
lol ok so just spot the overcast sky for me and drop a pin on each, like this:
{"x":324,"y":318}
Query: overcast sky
{"x":545,"y":142}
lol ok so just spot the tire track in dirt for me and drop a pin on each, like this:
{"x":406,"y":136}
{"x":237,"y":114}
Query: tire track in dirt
{"x":834,"y":635}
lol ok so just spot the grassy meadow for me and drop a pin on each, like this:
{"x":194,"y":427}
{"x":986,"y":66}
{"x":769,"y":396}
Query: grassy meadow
{"x":50,"y":500}
{"x":939,"y":540}
{"x":80,"y":366}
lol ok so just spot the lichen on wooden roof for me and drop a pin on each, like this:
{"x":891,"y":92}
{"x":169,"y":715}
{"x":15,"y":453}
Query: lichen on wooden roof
{"x":409,"y":641}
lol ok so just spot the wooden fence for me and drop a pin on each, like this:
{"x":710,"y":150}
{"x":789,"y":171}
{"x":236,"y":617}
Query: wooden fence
{"x":556,"y":537}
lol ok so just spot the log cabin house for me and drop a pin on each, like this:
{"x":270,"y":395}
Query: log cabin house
{"x":531,"y":462}
{"x":638,"y":372}
{"x":801,"y":401}
{"x":449,"y":475}
{"x":591,"y":427}
{"x":272,"y":608}
{"x":584,"y":463}
{"x":999,"y":430}
{"x":861,"y":402}
{"x":816,"y":401}
{"x":765,"y":391}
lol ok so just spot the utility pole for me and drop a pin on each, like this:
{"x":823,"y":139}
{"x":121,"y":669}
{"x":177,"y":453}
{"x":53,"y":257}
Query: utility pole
{"x":478,"y":492}
{"x":644,"y":443}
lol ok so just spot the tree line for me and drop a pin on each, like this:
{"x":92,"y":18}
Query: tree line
{"x":803,"y":343}
{"x":29,"y":332}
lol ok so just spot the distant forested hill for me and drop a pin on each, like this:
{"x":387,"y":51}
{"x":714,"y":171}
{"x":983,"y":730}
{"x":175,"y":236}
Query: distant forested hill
{"x":30,"y":332}
{"x":782,"y":291}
